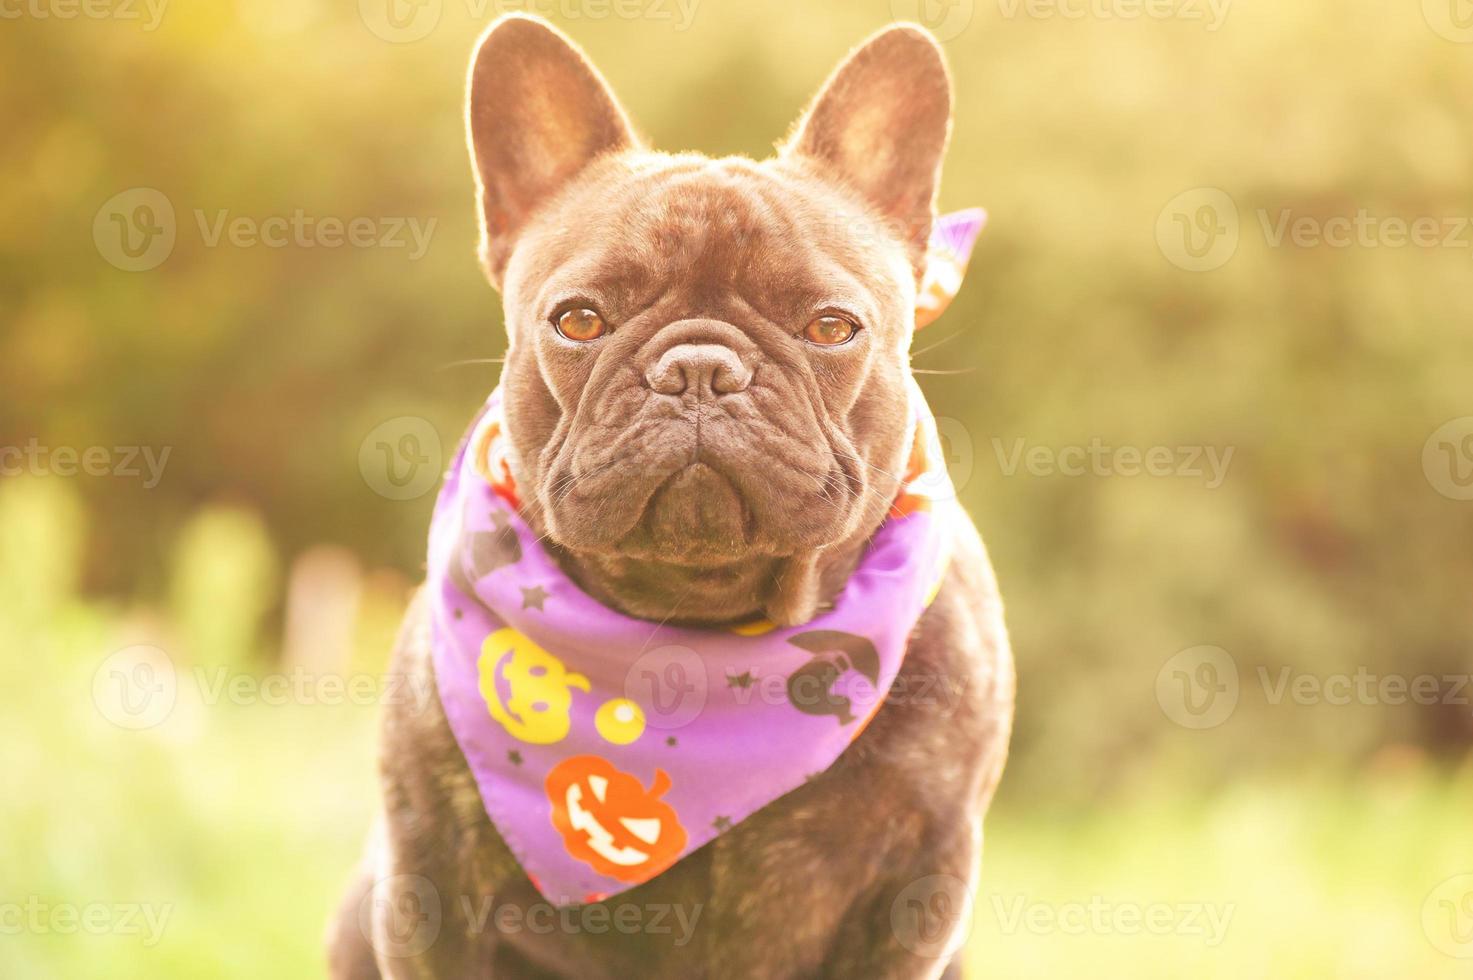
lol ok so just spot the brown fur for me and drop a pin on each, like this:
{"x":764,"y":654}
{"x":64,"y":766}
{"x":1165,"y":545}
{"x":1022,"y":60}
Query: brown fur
{"x":703,"y":464}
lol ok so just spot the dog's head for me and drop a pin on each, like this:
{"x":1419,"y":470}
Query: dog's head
{"x":708,"y":358}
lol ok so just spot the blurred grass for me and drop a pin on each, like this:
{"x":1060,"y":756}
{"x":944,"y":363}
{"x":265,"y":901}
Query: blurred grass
{"x":1314,"y":879}
{"x":241,"y":822}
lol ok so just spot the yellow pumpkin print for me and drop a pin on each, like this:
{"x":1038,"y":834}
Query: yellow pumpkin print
{"x":537,"y":708}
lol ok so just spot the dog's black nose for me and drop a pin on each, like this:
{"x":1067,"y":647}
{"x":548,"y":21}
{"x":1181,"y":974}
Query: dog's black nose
{"x":703,"y":369}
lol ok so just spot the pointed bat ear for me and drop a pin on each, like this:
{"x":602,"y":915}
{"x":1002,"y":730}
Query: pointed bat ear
{"x":879,"y":127}
{"x":537,"y":112}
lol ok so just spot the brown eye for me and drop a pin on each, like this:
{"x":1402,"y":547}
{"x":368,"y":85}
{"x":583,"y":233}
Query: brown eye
{"x":829,"y":331}
{"x":581,"y":325}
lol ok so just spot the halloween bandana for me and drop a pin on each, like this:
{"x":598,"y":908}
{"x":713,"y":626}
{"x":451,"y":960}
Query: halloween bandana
{"x":606,"y":748}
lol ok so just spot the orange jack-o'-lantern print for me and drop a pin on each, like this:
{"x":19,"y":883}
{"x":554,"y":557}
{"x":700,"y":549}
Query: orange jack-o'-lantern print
{"x":610,"y":822}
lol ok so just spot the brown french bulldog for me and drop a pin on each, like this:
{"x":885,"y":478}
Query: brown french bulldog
{"x":756,"y":497}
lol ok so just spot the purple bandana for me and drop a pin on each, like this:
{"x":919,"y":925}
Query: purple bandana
{"x":606,"y":748}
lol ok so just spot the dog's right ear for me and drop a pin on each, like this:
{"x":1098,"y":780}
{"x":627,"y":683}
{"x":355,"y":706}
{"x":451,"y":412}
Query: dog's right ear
{"x":537,"y":112}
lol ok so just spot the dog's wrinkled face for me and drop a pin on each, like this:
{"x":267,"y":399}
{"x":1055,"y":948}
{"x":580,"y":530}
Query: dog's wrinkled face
{"x":708,"y":360}
{"x":712,"y":418}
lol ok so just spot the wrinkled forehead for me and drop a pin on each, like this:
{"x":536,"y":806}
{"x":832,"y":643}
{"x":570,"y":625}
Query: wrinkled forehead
{"x":639,"y":228}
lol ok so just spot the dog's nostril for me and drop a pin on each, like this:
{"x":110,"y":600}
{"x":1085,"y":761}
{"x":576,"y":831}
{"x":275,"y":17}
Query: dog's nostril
{"x":703,"y":368}
{"x":728,"y":379}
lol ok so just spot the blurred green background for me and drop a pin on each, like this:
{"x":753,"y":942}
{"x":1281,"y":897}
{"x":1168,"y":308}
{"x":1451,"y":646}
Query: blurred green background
{"x":1182,"y":641}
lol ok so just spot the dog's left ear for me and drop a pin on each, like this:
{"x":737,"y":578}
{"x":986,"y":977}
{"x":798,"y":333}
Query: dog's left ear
{"x":879,"y":126}
{"x":538,"y":112}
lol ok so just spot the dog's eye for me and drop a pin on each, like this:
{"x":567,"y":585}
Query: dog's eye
{"x":829,"y":331}
{"x":581,"y":325}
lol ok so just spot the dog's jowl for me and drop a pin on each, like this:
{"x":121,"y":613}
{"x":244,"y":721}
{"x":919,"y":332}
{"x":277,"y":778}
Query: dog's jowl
{"x":697,"y":578}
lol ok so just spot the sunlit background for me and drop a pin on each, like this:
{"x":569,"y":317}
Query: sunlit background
{"x":1210,"y":398}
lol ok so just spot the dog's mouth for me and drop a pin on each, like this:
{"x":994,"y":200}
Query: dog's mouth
{"x":696,"y":516}
{"x":682,"y":504}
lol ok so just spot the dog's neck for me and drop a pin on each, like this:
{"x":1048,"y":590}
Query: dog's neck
{"x":787,"y":591}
